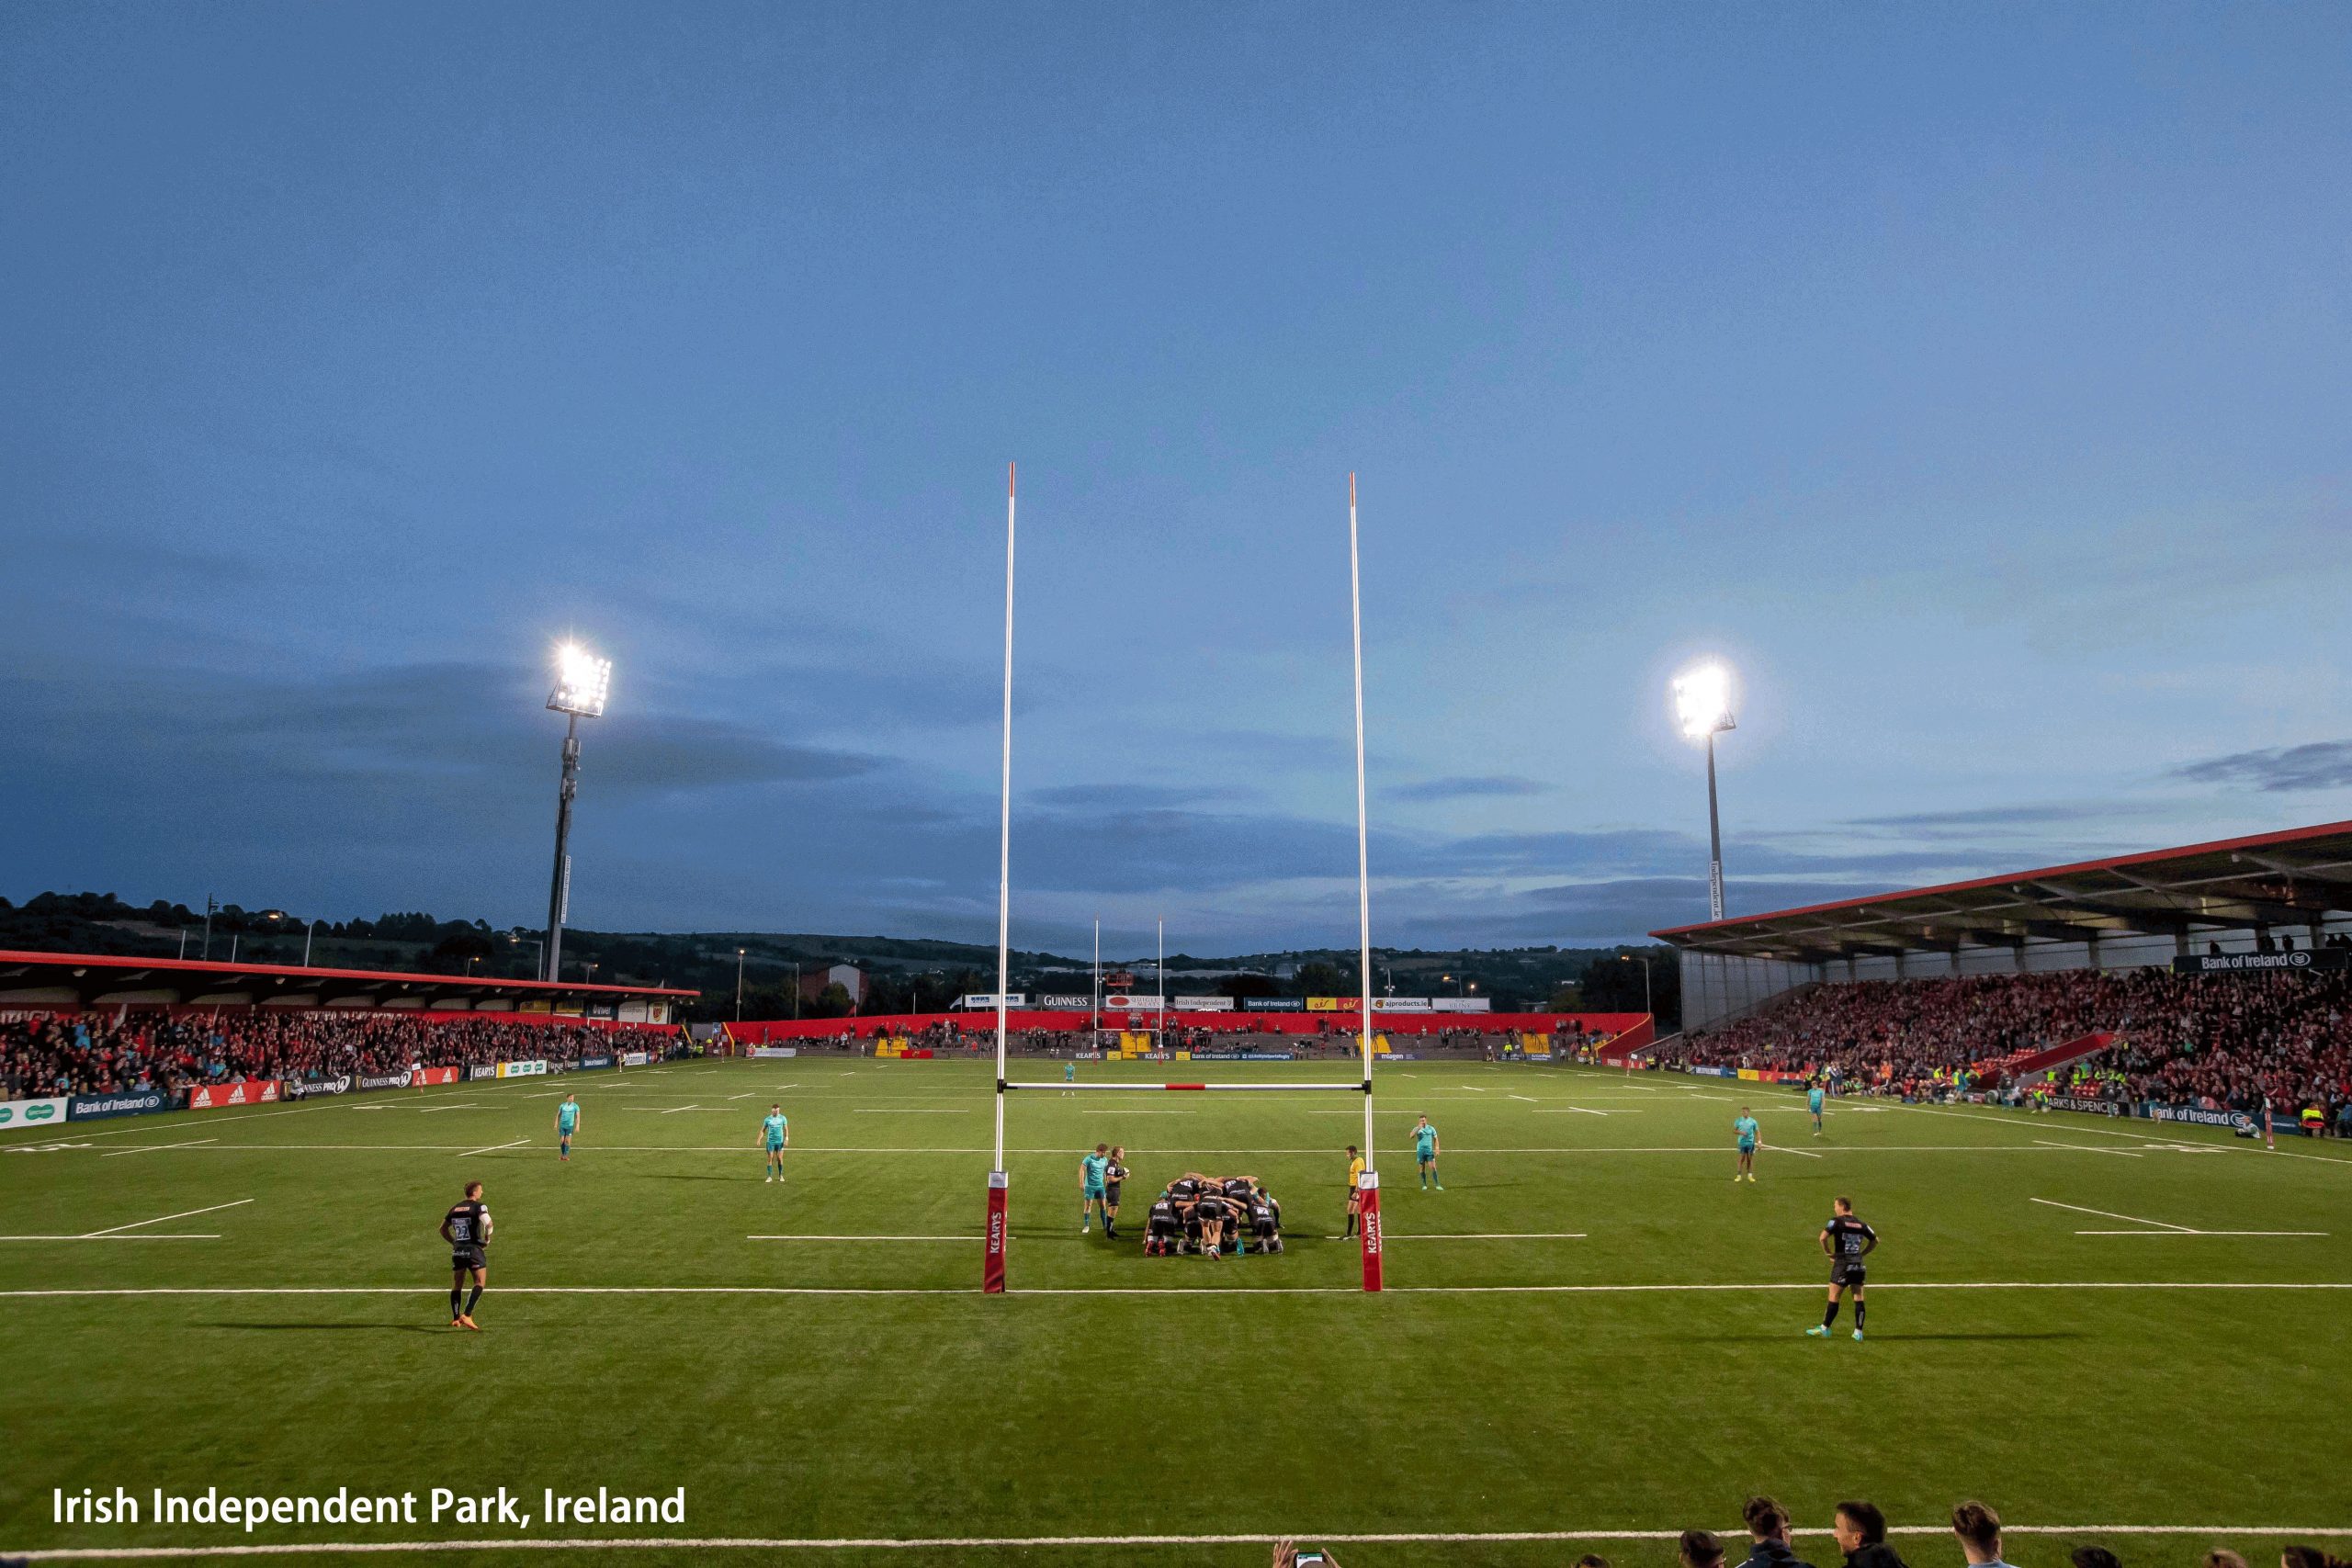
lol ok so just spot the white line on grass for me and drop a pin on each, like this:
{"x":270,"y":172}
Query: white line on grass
{"x":910,"y":1110}
{"x":182,"y":1214}
{"x":974,"y":1236}
{"x":1015,"y":1542}
{"x":2090,"y":1148}
{"x":1479,"y":1235}
{"x":468,"y":1105}
{"x":2159,"y":1226}
{"x":143,"y":1236}
{"x":150,"y":1149}
{"x":1812,"y":1286}
{"x":1529,"y":1097}
{"x":1580,"y":1110}
{"x":675,"y":1109}
{"x":493,"y":1148}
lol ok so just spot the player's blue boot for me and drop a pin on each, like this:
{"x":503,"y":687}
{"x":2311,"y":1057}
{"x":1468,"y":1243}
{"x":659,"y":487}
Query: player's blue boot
{"x":1858,"y":1333}
{"x":1819,"y":1331}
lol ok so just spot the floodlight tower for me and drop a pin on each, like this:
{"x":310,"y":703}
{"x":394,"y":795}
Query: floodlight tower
{"x":1703,"y":706}
{"x":582,"y":682}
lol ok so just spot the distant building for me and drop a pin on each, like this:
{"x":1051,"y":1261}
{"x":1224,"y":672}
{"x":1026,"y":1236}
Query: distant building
{"x":848,"y":977}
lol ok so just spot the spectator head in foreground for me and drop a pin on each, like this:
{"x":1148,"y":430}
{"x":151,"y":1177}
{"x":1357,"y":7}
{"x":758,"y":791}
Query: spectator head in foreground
{"x":1767,"y":1520}
{"x":2221,"y":1557}
{"x":2095,"y":1557}
{"x":1591,"y":1560}
{"x":1860,"y":1530}
{"x":1979,"y":1529}
{"x":2308,"y":1557}
{"x":1767,"y":1525}
{"x":1701,"y":1548}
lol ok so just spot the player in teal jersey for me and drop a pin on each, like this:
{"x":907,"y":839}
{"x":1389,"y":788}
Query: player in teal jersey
{"x":1748,"y":1132}
{"x":567,"y":1122}
{"x":1090,"y":1176}
{"x":1069,"y":1074}
{"x":774,"y":1133}
{"x":1813,"y":1098}
{"x":1424,"y":1153}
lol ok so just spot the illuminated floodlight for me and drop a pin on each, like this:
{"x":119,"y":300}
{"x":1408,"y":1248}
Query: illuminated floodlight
{"x":1702,"y":701}
{"x":582,"y":682}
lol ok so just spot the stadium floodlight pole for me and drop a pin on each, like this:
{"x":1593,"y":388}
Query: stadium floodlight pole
{"x":992,"y":1262}
{"x":1369,"y":1216}
{"x":739,"y":985}
{"x":582,"y":682}
{"x":1703,"y":706}
{"x":1159,"y":978}
{"x":1094,"y":1025}
{"x":308,"y":933}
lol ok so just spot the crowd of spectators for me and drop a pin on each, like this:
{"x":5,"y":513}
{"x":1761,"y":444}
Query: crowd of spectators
{"x":956,"y":1037}
{"x":1859,"y":1530}
{"x":2223,"y":1041}
{"x":58,"y":1054}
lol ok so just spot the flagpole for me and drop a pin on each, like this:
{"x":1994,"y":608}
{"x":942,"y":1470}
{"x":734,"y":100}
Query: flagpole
{"x":1369,"y":1216}
{"x":992,"y":1268}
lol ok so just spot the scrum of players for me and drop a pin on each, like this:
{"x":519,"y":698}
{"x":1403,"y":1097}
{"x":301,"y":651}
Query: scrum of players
{"x":1211,"y":1215}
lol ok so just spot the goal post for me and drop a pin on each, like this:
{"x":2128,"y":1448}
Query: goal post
{"x":1367,"y":1194}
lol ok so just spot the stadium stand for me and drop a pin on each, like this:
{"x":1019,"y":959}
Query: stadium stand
{"x":2163,"y":979}
{"x":60,"y":1053}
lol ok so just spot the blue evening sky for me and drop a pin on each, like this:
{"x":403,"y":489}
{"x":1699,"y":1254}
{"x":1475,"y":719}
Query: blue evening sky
{"x":1974,"y":379}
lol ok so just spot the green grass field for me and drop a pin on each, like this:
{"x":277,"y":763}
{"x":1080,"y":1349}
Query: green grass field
{"x":1590,"y":1331}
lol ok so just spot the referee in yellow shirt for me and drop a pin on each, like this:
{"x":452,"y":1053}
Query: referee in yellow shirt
{"x":1355,"y":1190}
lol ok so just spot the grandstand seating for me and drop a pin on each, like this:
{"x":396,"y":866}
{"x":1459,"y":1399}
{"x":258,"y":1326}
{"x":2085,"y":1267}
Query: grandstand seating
{"x":82,"y":1053}
{"x":2220,"y":1040}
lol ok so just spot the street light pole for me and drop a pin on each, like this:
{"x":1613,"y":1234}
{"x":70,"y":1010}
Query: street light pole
{"x":309,"y":931}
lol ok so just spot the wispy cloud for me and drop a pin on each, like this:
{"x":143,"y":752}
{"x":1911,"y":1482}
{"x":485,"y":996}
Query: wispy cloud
{"x":1471,"y":788}
{"x":2321,"y":764}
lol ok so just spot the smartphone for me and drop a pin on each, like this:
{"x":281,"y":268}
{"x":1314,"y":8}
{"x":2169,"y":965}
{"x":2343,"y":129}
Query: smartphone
{"x":1310,"y":1559}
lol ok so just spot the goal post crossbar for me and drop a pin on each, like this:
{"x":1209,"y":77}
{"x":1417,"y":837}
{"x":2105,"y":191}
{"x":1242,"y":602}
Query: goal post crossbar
{"x":1068,"y":1087}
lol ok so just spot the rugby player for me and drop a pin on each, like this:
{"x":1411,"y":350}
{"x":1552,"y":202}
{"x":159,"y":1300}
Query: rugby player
{"x":1163,"y":1226}
{"x":1090,"y":1187}
{"x":466,"y":1227}
{"x":1813,"y":1098}
{"x":1848,"y":1241}
{"x":1355,"y":1190}
{"x":776,"y":1132}
{"x":1212,"y":1212}
{"x":1265,"y":1219}
{"x":1749,"y":1131}
{"x":1069,"y":1075}
{"x":1113,"y":1175}
{"x":1425,"y":1151}
{"x":567,"y":1122}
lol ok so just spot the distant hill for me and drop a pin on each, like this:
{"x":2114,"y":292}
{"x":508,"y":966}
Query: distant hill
{"x":905,"y":973}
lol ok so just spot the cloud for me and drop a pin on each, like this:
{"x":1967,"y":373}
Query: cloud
{"x":1484,"y":785}
{"x":2321,"y":764}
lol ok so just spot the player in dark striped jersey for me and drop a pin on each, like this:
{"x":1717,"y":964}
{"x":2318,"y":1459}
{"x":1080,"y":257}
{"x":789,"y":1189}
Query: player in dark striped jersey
{"x":466,"y":1227}
{"x":1848,"y":1241}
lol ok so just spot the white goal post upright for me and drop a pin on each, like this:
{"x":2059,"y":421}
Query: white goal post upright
{"x":992,"y":1267}
{"x":1368,"y":1190}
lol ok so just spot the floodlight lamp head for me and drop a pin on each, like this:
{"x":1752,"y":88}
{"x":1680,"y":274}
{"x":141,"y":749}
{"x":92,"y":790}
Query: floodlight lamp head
{"x":582,"y":682}
{"x":1702,"y":701}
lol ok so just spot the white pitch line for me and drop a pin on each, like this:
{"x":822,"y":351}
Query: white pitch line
{"x":2200,"y":1233}
{"x":1810,"y":1286}
{"x":150,"y":1149}
{"x":182,"y":1214}
{"x":974,"y":1236}
{"x":910,"y":1110}
{"x":939,"y":1544}
{"x":429,"y":1110}
{"x":2102,"y":1213}
{"x":745,"y":1095}
{"x":493,"y":1148}
{"x":1580,"y":1110}
{"x":1529,"y":1097}
{"x":675,"y":1109}
{"x":1474,"y":1235}
{"x":2090,"y":1148}
{"x":144,"y":1235}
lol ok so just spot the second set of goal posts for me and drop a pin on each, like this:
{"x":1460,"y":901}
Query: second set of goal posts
{"x":993,"y":1269}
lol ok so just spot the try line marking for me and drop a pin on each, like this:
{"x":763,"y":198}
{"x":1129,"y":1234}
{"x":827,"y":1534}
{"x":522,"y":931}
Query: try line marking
{"x":2155,"y":1227}
{"x":1811,"y":1286}
{"x":934,"y":1543}
{"x":115,"y":1232}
